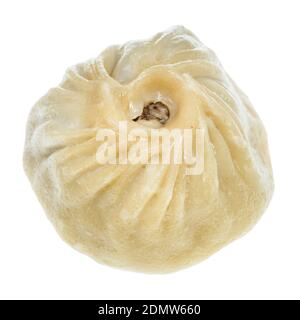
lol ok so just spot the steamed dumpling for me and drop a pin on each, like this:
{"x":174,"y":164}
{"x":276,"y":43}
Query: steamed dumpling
{"x":149,"y":217}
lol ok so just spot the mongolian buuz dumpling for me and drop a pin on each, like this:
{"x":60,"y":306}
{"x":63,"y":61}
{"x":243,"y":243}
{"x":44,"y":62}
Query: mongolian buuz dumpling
{"x":149,"y":157}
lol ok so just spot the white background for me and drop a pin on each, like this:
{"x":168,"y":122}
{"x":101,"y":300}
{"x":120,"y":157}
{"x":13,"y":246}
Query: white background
{"x":258,"y":44}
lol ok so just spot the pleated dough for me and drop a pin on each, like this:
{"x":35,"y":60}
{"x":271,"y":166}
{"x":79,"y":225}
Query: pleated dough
{"x":149,"y":218}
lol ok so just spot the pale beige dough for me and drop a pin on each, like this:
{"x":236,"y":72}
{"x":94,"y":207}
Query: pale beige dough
{"x":149,"y":218}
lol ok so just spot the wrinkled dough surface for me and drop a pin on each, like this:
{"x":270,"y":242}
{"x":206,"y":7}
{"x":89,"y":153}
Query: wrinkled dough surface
{"x":149,"y":218}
